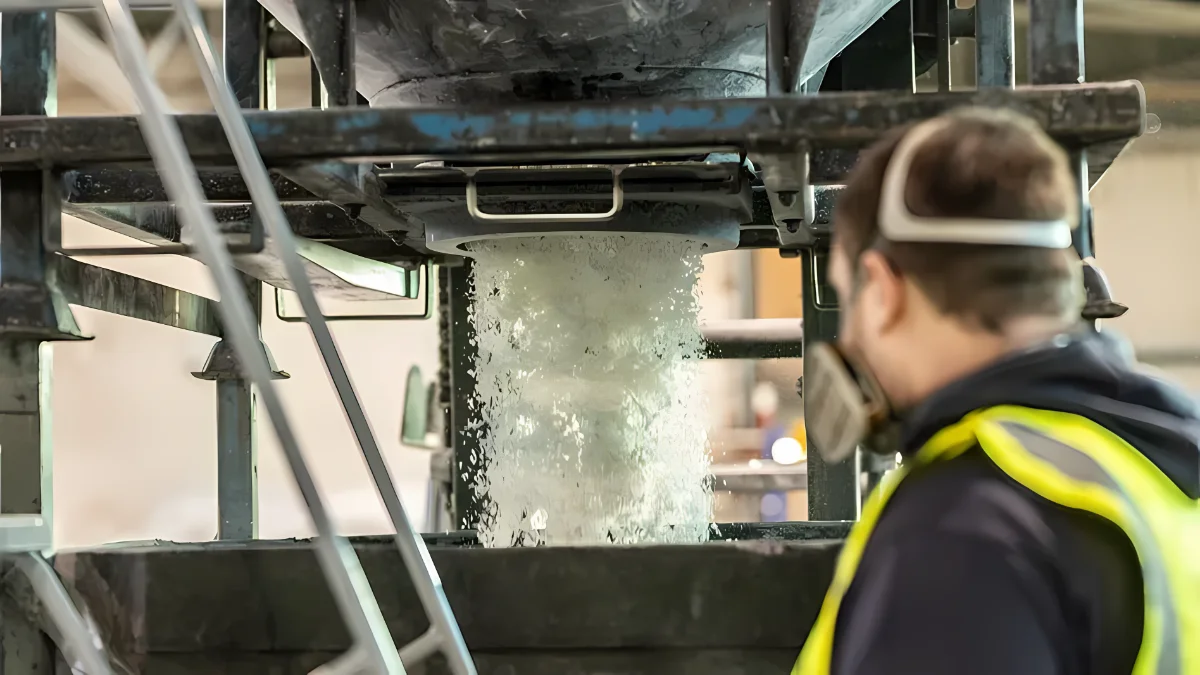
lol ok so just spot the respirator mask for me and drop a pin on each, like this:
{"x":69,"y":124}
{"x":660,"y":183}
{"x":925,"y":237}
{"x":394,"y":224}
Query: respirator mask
{"x":846,"y":407}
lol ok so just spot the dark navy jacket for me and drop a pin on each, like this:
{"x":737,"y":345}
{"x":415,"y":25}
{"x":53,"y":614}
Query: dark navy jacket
{"x":969,"y":573}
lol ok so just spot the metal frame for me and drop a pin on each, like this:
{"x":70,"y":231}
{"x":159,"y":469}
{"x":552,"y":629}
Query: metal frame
{"x":325,"y":184}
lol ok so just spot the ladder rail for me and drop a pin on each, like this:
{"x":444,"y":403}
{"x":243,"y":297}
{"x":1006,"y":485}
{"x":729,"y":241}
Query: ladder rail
{"x":76,"y":640}
{"x":341,"y":566}
{"x":413,"y":551}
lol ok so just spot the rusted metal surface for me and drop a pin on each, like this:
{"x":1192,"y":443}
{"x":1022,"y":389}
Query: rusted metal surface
{"x":410,"y":53}
{"x":1075,"y":115}
{"x":200,"y":606}
{"x":135,"y":186}
{"x":117,"y":293}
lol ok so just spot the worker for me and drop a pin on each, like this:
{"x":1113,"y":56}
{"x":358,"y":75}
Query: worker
{"x":1044,"y":519}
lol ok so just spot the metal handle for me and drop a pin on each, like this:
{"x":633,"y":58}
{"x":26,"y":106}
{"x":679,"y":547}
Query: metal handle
{"x":618,"y":202}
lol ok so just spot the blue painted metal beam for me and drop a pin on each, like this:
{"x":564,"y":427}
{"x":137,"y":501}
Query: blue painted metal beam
{"x":1076,"y":115}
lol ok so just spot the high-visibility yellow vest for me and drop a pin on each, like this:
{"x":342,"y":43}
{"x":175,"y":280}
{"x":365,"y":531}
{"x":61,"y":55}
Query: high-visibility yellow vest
{"x":1074,"y":462}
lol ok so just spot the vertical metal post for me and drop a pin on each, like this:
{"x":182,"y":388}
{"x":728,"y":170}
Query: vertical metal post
{"x":833,"y":489}
{"x":944,"y":40}
{"x":789,"y":26}
{"x":882,"y":58}
{"x":1056,"y":57}
{"x":330,"y":26}
{"x":744,"y":275}
{"x":464,"y":429}
{"x":994,"y":46}
{"x":26,"y":476}
{"x":244,"y":54}
{"x":1056,"y":42}
{"x":31,"y":310}
{"x":237,"y":461}
{"x":237,"y":436}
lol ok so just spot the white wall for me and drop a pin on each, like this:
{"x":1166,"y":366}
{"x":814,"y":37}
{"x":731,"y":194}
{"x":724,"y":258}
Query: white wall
{"x":135,"y":433}
{"x":1148,"y":240}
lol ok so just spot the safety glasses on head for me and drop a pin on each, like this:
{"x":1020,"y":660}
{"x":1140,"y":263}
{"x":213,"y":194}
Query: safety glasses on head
{"x":847,"y":407}
{"x":898,"y":224}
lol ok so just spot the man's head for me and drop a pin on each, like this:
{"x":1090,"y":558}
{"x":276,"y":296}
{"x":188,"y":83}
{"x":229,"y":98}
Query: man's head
{"x":919,"y":314}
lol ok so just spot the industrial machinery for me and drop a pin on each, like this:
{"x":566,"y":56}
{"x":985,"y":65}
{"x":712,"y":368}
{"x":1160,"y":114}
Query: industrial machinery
{"x":437,"y":123}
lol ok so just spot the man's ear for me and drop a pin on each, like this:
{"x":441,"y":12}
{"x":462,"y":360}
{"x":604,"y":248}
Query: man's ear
{"x":887,"y":290}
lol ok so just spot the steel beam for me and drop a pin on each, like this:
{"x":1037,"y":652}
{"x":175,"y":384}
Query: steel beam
{"x":833,"y":489}
{"x":114,"y":292}
{"x":330,"y":27}
{"x":789,"y":26}
{"x":26,"y":466}
{"x":158,"y":222}
{"x":354,"y":187}
{"x":881,"y":59}
{"x":233,"y":599}
{"x":30,"y":305}
{"x":831,"y":166}
{"x":245,"y":63}
{"x":237,"y":441}
{"x":32,"y":310}
{"x":100,"y":185}
{"x":1055,"y":58}
{"x":1056,"y":42}
{"x":753,"y":339}
{"x":466,"y":430}
{"x":237,"y":460}
{"x":1075,"y":116}
{"x":244,"y":34}
{"x":994,"y":44}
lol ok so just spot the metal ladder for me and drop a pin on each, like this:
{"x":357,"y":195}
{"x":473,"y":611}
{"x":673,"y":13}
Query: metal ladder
{"x":373,"y":650}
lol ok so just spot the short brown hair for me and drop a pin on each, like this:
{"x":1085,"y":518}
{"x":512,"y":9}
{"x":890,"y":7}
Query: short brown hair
{"x":982,"y":164}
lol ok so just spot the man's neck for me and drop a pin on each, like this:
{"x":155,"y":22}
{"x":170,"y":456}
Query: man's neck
{"x":958,"y":350}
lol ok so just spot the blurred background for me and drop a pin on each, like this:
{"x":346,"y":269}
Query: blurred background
{"x":135,"y":435}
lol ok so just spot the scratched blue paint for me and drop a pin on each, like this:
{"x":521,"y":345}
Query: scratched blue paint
{"x":449,"y":127}
{"x":652,"y":122}
{"x":358,"y":121}
{"x":265,"y":127}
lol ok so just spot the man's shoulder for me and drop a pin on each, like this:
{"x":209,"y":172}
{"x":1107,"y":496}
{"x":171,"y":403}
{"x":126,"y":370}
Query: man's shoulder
{"x":970,"y":497}
{"x":967,"y":533}
{"x":969,"y":501}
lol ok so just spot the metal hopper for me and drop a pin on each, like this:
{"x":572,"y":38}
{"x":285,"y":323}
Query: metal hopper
{"x":449,"y":52}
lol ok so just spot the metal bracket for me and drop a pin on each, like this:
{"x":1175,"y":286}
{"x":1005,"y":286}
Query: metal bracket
{"x":52,"y":240}
{"x":792,"y":196}
{"x":1100,"y":303}
{"x":282,"y":314}
{"x":38,"y":312}
{"x":222,"y":364}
